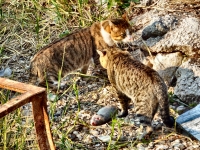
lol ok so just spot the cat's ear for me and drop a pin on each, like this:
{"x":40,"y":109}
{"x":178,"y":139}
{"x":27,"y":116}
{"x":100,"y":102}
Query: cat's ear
{"x":113,"y":27}
{"x":111,"y":23}
{"x":125,"y":17}
{"x":101,"y":53}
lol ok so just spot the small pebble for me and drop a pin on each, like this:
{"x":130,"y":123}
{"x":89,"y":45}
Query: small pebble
{"x":140,"y":146}
{"x":181,"y":109}
{"x":105,"y":138}
{"x":94,"y":132}
{"x":75,"y":132}
{"x":79,"y":136}
{"x":172,"y":107}
{"x":162,"y":147}
{"x":51,"y":97}
{"x":151,"y":145}
{"x":72,"y":136}
{"x":105,"y":91}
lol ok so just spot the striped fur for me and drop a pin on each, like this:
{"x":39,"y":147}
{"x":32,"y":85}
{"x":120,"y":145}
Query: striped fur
{"x":75,"y":51}
{"x":139,"y":83}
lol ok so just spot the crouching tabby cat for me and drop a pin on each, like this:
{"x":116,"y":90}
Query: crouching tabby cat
{"x":77,"y":49}
{"x":139,"y":83}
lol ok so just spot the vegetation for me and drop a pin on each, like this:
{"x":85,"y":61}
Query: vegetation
{"x":25,"y":27}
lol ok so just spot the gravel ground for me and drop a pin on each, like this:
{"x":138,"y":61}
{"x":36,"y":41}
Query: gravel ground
{"x":95,"y":95}
{"x":70,"y":115}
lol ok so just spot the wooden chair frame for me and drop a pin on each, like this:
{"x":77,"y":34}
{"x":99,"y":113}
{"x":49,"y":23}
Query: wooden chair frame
{"x":38,"y":97}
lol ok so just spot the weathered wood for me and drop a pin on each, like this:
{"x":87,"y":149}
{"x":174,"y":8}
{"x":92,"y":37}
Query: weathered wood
{"x":15,"y":103}
{"x":19,"y":87}
{"x":38,"y":97}
{"x":42,"y":122}
{"x":190,"y":122}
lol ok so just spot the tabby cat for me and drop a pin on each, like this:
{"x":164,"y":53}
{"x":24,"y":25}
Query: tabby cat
{"x":139,"y":83}
{"x":76,"y":50}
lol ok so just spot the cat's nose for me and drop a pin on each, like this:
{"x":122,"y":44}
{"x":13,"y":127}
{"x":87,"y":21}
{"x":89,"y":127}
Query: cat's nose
{"x":130,"y":39}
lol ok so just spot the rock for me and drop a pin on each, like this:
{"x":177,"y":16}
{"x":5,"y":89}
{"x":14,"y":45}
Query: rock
{"x":140,"y":147}
{"x":190,"y":122}
{"x":158,"y":28}
{"x":188,"y":82}
{"x":94,"y":132}
{"x":101,"y":2}
{"x":156,"y":124}
{"x":105,"y":138}
{"x":177,"y":145}
{"x":195,"y":146}
{"x":58,"y":113}
{"x":151,"y":145}
{"x":162,"y":147}
{"x":146,"y":2}
{"x":166,"y":65}
{"x":164,"y":33}
{"x":72,"y":136}
{"x":172,"y":107}
{"x":181,"y":109}
{"x":79,"y":136}
{"x":5,"y":72}
{"x":52,"y":97}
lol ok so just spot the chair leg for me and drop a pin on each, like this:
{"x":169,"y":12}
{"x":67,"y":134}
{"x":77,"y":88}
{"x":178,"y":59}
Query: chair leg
{"x":39,"y":105}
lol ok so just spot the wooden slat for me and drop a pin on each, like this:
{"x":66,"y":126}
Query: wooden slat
{"x":15,"y":103}
{"x":19,"y":87}
{"x":42,"y":122}
{"x":38,"y":97}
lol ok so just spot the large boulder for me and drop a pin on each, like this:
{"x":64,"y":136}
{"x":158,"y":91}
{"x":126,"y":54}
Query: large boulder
{"x":164,"y":33}
{"x":174,"y":50}
{"x":188,"y":82}
{"x":166,"y":65}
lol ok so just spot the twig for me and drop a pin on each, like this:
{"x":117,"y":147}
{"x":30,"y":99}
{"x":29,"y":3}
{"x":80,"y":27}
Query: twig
{"x":146,"y":47}
{"x":179,"y":101}
{"x":158,"y":8}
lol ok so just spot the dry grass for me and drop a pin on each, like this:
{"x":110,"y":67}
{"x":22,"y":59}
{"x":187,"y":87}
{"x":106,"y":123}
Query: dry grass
{"x":25,"y":27}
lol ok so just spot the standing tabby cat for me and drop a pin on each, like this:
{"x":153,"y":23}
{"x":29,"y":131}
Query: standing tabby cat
{"x":77,"y":49}
{"x":139,"y":83}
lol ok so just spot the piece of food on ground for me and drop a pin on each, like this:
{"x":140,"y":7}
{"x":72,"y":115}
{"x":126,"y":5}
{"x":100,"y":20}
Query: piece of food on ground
{"x":104,"y":115}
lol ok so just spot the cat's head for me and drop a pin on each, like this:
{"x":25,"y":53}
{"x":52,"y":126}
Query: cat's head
{"x":108,"y":55}
{"x":116,"y":30}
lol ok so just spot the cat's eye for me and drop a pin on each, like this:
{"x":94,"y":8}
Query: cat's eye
{"x":123,"y":35}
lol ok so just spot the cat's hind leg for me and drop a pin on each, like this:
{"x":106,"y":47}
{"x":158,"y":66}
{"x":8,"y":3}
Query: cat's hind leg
{"x":124,"y":102}
{"x":84,"y":69}
{"x":145,"y":111}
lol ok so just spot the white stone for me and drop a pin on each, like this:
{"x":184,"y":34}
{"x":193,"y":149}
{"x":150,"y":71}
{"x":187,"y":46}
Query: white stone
{"x":180,"y":109}
{"x":105,"y":138}
{"x":162,"y":147}
{"x":167,"y":64}
{"x":140,"y":147}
